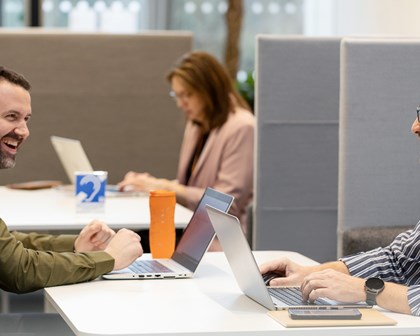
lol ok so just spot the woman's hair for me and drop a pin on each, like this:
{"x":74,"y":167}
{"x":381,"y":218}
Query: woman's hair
{"x":205,"y":76}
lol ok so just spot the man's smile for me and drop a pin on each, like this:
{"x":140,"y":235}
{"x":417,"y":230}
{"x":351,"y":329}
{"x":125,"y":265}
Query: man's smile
{"x":10,"y":145}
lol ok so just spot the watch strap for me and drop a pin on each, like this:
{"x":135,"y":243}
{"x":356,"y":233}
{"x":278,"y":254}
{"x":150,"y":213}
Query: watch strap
{"x":373,"y":287}
{"x":371,"y":298}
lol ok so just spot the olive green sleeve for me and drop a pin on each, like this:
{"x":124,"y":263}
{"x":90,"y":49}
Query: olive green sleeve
{"x":24,"y":269}
{"x":45,"y":242}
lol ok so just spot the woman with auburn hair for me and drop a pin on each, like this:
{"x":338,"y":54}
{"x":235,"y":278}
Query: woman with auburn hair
{"x":218,"y":144}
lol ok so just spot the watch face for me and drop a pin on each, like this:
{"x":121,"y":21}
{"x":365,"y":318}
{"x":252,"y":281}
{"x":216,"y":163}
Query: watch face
{"x":375,"y":283}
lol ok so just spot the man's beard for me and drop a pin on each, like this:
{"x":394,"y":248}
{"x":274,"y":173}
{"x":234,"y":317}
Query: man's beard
{"x":6,"y":161}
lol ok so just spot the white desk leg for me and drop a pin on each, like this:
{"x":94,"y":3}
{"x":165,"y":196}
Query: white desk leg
{"x":48,"y":307}
{"x":5,"y":304}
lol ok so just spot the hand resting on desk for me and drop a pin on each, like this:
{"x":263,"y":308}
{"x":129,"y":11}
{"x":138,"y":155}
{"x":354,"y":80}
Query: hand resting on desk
{"x":94,"y":237}
{"x":138,"y":181}
{"x":123,"y":246}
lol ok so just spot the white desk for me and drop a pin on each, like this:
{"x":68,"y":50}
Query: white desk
{"x":51,"y":209}
{"x":55,"y":210}
{"x":210,"y":303}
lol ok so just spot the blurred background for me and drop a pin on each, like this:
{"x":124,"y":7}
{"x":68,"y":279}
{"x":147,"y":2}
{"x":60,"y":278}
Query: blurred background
{"x":226,"y":28}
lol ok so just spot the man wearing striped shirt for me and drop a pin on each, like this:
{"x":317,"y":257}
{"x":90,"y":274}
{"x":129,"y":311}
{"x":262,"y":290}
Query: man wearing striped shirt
{"x":388,"y":277}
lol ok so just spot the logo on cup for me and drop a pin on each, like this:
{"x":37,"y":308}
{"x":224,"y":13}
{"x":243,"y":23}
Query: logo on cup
{"x":90,"y":187}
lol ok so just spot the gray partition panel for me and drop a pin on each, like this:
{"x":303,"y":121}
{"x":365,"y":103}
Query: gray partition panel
{"x":107,"y":90}
{"x":307,"y":231}
{"x":299,"y":166}
{"x":379,"y":158}
{"x":297,"y":102}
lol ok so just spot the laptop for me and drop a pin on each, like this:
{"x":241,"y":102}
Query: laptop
{"x":73,"y":158}
{"x":190,"y":250}
{"x":248,"y":276}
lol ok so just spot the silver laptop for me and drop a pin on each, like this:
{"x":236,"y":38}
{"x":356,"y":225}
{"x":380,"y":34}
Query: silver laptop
{"x":247,"y":274}
{"x":190,"y":250}
{"x":73,"y":158}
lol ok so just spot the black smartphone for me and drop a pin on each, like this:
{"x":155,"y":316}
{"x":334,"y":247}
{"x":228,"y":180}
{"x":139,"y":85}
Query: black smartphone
{"x":325,"y":314}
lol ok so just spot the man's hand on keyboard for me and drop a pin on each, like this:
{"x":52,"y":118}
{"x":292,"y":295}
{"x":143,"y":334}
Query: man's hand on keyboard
{"x":333,"y":285}
{"x":288,"y":272}
{"x":124,"y":247}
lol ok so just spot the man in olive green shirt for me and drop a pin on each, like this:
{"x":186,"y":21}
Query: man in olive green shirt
{"x":32,"y":261}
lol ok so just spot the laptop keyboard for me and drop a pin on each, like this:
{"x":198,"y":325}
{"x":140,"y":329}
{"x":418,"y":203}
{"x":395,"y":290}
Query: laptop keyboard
{"x":293,"y":296}
{"x":149,"y":266}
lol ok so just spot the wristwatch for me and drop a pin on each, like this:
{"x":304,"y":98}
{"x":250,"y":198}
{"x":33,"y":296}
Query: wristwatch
{"x":373,"y":286}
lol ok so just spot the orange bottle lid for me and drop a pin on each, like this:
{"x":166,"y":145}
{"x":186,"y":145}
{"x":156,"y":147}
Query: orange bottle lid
{"x":162,"y":193}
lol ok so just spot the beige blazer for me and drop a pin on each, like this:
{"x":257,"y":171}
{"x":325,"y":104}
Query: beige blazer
{"x":225,"y":164}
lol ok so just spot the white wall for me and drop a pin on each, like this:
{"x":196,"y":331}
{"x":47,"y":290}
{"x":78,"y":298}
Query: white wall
{"x":362,"y":17}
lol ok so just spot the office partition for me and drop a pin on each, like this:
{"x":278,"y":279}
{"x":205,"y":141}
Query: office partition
{"x":297,"y":103}
{"x":379,"y":158}
{"x":107,"y":90}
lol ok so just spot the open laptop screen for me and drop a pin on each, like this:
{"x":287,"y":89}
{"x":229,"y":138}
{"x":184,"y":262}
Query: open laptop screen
{"x":199,"y":233}
{"x":71,"y":155}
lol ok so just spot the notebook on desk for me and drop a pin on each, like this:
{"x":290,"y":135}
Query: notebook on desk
{"x":234,"y":243}
{"x":190,"y":250}
{"x":370,"y":317}
{"x":73,"y":158}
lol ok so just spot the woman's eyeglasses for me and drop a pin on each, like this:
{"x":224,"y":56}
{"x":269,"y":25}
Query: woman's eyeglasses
{"x":418,"y":113}
{"x":184,"y":97}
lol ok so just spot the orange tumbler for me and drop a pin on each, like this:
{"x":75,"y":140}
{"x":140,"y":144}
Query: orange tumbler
{"x":162,"y":224}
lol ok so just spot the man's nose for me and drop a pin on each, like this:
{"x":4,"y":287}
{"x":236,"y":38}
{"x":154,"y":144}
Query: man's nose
{"x":22,"y":130}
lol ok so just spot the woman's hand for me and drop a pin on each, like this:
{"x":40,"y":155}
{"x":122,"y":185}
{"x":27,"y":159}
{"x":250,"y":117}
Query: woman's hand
{"x":141,"y":182}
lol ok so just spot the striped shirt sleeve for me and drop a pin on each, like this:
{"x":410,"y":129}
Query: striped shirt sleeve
{"x":398,"y":262}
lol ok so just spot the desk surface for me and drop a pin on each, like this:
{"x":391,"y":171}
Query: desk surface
{"x":52,"y":209}
{"x":210,"y":303}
